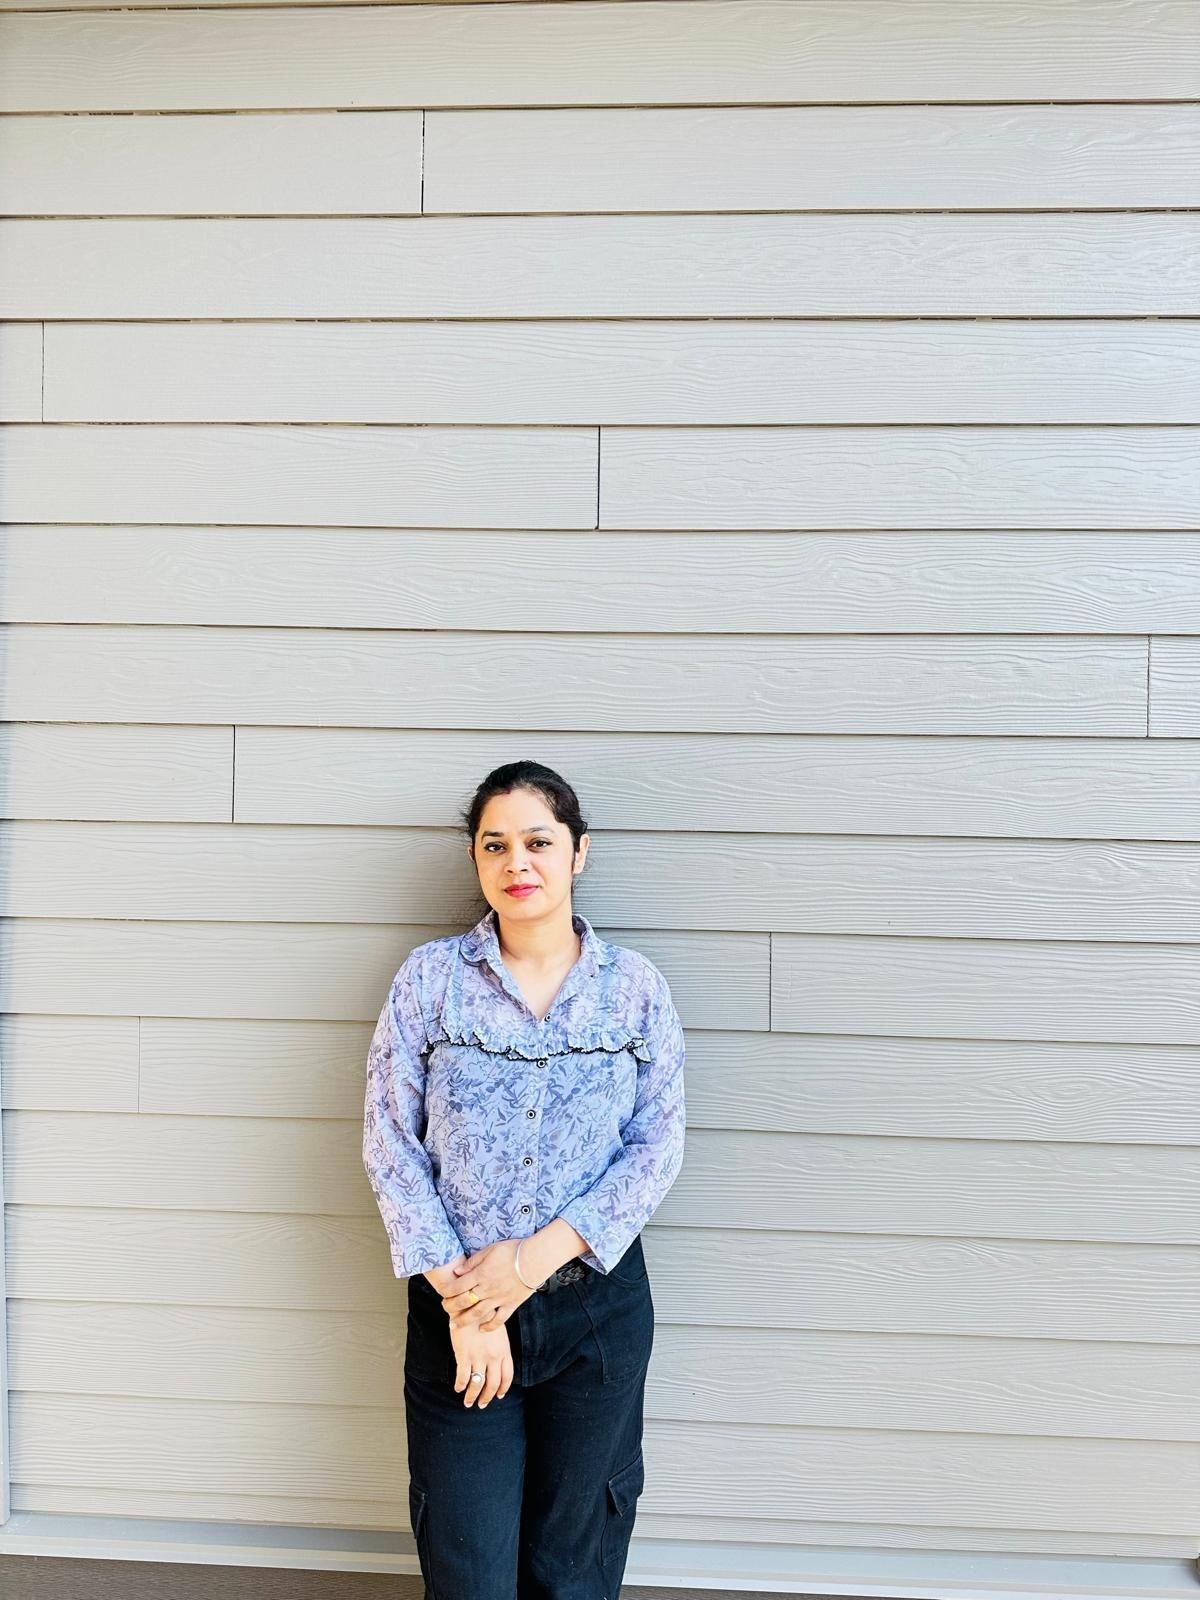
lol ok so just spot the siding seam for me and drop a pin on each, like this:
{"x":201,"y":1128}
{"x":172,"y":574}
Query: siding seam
{"x":1149,"y":647}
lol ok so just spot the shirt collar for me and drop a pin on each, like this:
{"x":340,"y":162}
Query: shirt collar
{"x":482,"y":943}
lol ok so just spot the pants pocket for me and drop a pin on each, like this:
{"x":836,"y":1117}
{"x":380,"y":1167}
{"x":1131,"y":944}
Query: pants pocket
{"x":624,"y":1487}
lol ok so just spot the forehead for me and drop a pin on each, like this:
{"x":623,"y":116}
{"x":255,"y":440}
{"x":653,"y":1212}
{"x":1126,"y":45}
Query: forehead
{"x":522,"y":811}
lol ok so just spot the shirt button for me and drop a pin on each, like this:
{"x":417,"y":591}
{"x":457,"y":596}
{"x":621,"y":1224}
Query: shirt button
{"x":531,"y":1113}
{"x":528,"y":1162}
{"x":524,"y":1208}
{"x":543,"y":1061}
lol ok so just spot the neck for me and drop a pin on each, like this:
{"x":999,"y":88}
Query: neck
{"x":544,"y":944}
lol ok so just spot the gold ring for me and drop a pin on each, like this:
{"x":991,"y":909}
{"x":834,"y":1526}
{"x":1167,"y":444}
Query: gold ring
{"x":474,"y":1297}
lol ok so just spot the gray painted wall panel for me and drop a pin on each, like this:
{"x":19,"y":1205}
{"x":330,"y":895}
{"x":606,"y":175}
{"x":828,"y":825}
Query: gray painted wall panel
{"x":814,"y":683}
{"x":831,"y":519}
{"x":922,"y":264}
{"x":1060,"y":370}
{"x":630,"y":53}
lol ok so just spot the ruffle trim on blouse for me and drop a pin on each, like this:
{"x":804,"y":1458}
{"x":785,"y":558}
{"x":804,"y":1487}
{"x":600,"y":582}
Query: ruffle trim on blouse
{"x":606,"y":1039}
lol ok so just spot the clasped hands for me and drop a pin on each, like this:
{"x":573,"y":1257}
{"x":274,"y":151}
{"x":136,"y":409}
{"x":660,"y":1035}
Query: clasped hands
{"x":483,"y":1289}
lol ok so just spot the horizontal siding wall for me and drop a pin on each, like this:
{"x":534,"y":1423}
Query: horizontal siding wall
{"x":784,"y":419}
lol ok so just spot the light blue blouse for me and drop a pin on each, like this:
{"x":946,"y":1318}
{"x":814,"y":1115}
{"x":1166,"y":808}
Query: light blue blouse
{"x":482,"y":1123}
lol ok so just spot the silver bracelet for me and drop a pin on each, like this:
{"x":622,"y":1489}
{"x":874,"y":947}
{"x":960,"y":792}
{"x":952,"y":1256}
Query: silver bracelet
{"x":517,"y":1267}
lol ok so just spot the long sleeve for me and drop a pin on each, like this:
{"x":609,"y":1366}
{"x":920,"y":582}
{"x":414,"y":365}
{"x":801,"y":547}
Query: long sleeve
{"x":614,"y":1209}
{"x":420,"y":1234}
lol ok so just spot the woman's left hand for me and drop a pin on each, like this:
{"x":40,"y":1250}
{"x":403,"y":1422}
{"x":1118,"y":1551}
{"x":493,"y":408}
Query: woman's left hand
{"x":490,"y":1274}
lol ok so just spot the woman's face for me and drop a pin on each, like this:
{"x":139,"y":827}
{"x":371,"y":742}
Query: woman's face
{"x":520,"y":842}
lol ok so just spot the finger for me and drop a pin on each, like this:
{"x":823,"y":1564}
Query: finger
{"x":496,"y":1319}
{"x":491,"y":1383}
{"x":506,"y":1370}
{"x":475,"y":1387}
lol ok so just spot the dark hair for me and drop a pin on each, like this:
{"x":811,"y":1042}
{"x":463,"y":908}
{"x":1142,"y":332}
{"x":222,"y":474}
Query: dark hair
{"x":550,"y":785}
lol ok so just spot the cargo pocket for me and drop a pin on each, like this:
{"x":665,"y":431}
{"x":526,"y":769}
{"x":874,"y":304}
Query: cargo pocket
{"x":624,"y":1487}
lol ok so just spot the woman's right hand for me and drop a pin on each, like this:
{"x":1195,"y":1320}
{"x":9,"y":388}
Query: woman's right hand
{"x":486,"y":1352}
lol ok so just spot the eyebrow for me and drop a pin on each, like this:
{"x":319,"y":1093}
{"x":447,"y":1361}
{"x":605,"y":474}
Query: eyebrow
{"x":496,"y":833}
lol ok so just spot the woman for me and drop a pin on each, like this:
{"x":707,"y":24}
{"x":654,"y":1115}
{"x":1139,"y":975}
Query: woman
{"x":524,"y":1118}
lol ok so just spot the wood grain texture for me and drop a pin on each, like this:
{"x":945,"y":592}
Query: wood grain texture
{"x":986,"y":988}
{"x":789,"y":583}
{"x":20,"y":372}
{"x":690,"y":51}
{"x":477,"y":477}
{"x":262,"y":164}
{"x":957,"y":264}
{"x":900,"y":477}
{"x":1174,"y":687}
{"x":625,"y":373}
{"x":1130,"y":891}
{"x":96,"y":770}
{"x":74,"y":1063}
{"x":1012,"y":788}
{"x":936,"y":684}
{"x":812,"y":157}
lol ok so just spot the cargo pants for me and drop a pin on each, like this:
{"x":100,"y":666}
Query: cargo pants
{"x":534,"y":1497}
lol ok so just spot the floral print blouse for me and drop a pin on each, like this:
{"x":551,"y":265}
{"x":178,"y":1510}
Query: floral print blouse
{"x":482,"y":1123}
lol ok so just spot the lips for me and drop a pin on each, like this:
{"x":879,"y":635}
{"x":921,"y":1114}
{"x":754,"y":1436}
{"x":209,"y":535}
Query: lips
{"x":519,"y":891}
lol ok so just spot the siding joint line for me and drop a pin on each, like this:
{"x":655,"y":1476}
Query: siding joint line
{"x":1149,"y":646}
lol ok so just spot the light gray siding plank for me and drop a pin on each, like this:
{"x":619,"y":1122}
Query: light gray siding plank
{"x":74,"y":1063}
{"x":831,"y":158}
{"x":814,"y":1378}
{"x":833,"y":477}
{"x":318,"y":972}
{"x":230,"y":1066}
{"x":971,"y":1479}
{"x":900,"y":1536}
{"x":744,"y":1535}
{"x":106,"y":770}
{"x":714,"y":51}
{"x":1137,"y":1194}
{"x":857,"y":1184}
{"x":1002,"y":1288}
{"x":618,"y":372}
{"x":815,"y":1083}
{"x":903,"y":265}
{"x":736,"y":583}
{"x":20,"y":371}
{"x":1133,"y":891}
{"x":833,"y":783}
{"x":966,"y":1088}
{"x":477,"y":477}
{"x":986,"y":988}
{"x":1174,"y":688}
{"x":344,"y":164}
{"x":1029,"y":684}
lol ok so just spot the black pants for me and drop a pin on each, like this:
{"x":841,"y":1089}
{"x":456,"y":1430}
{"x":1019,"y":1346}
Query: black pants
{"x":534,"y":1497}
